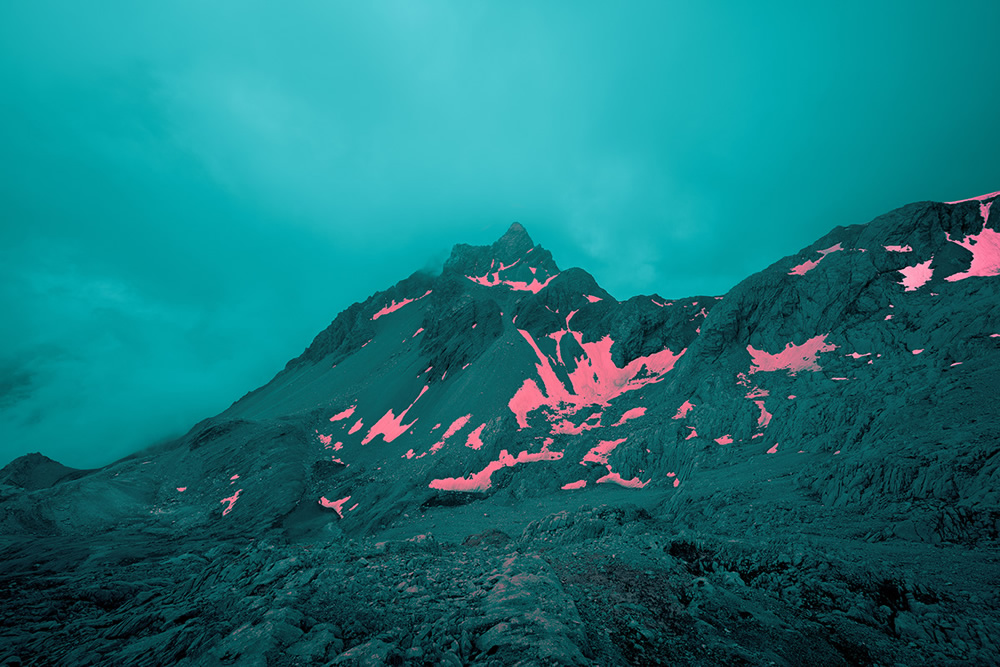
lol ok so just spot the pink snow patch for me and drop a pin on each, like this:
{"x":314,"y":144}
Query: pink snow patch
{"x":594,"y":381}
{"x":600,"y":453}
{"x":979,"y":198}
{"x":677,"y":483}
{"x":344,"y":414}
{"x":725,"y":440}
{"x":792,"y":397}
{"x":338,"y":446}
{"x":456,"y":425}
{"x":357,"y":427}
{"x":393,"y":307}
{"x":773,"y":450}
{"x":630,"y":414}
{"x":888,"y":317}
{"x":916,"y":276}
{"x":474,"y":440}
{"x":574,"y":485}
{"x":231,"y":500}
{"x":494,"y":280}
{"x":757,"y":392}
{"x":692,"y":434}
{"x":480,"y":481}
{"x":325,"y":439}
{"x":682,"y":411}
{"x":336,"y":505}
{"x":566,"y":427}
{"x":985,"y":249}
{"x":918,"y":351}
{"x":957,"y":363}
{"x":593,"y":299}
{"x":418,"y":331}
{"x":615,"y":478}
{"x":391,"y":426}
{"x":856,"y":355}
{"x":765,"y":416}
{"x":809,"y":265}
{"x":898,"y":248}
{"x":794,"y":358}
{"x":181,"y":489}
{"x":234,"y":477}
{"x":409,"y":454}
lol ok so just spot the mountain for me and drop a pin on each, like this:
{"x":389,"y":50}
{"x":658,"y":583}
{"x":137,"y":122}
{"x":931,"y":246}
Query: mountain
{"x":503,"y":464}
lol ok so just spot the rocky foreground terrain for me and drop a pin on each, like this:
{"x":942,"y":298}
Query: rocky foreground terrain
{"x":504,"y":465}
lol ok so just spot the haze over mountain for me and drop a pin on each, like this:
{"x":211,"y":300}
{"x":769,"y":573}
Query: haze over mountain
{"x":500,"y":463}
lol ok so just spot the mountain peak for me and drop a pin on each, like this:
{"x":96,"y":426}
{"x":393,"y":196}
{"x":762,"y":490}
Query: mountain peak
{"x":514,"y":243}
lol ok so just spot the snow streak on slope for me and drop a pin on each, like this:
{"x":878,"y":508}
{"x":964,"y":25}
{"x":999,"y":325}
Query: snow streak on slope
{"x":392,"y":307}
{"x":480,"y":481}
{"x":390,"y":426}
{"x":809,"y":265}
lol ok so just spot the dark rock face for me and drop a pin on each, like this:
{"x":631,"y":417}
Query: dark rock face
{"x":503,"y":464}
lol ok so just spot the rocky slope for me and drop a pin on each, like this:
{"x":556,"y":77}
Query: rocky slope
{"x":502,"y":464}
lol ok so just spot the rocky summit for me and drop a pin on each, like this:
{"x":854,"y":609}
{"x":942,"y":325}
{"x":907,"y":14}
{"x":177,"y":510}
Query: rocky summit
{"x":504,"y":465}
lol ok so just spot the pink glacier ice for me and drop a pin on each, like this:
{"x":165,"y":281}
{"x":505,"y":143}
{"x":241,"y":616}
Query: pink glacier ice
{"x":985,"y":249}
{"x":794,"y":358}
{"x":634,"y":413}
{"x":615,"y":478}
{"x":393,"y":307}
{"x":574,"y":485}
{"x":474,"y":440}
{"x":601,"y":452}
{"x":727,"y":439}
{"x":480,"y":481}
{"x":455,"y":427}
{"x":916,"y":276}
{"x":494,"y":280}
{"x":595,"y":380}
{"x":391,"y":426}
{"x":682,"y":411}
{"x":898,"y":248}
{"x":344,"y":414}
{"x":765,"y":416}
{"x":231,"y":500}
{"x":980,"y":198}
{"x":809,"y":265}
{"x":336,"y":505}
{"x":357,"y":427}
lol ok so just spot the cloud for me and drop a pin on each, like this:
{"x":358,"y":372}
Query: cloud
{"x":190,"y":192}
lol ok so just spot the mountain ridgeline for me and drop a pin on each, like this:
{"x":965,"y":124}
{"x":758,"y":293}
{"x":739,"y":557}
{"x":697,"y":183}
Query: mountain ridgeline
{"x":847,"y":393}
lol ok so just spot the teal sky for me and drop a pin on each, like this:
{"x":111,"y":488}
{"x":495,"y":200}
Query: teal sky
{"x":190,"y":191}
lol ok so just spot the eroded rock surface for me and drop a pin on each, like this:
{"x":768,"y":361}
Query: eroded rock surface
{"x":503,"y":464}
